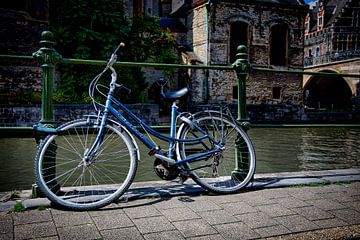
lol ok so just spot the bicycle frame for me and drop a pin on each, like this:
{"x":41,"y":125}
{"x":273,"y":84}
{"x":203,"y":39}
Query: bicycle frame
{"x":152,"y":147}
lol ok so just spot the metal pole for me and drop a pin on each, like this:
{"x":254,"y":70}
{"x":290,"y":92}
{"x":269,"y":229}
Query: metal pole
{"x":242,"y":68}
{"x":47,"y":58}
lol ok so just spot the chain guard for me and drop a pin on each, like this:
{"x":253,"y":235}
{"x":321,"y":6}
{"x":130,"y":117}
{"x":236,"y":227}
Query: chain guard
{"x":164,"y":171}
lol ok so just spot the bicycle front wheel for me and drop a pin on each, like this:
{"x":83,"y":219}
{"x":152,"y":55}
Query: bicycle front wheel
{"x":69,"y":181}
{"x":226,"y":171}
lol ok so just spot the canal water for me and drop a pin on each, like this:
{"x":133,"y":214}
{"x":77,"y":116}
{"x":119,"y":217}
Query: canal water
{"x":277,"y":150}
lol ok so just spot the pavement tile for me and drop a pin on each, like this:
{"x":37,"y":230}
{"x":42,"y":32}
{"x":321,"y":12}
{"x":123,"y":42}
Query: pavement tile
{"x":121,"y":234}
{"x":72,"y":219}
{"x":178,"y":214}
{"x":259,"y":200}
{"x":87,"y":231}
{"x":238,"y":208}
{"x":306,"y":194}
{"x":227,"y":198}
{"x":348,"y":215}
{"x":257,"y":220}
{"x":275,"y":210}
{"x":194,"y":227}
{"x":208,"y":237}
{"x":313,"y":213}
{"x":217,"y":217}
{"x":341,"y":197}
{"x":8,"y":236}
{"x":353,"y":205}
{"x":291,"y":202}
{"x":271,"y":231}
{"x":112,"y":221}
{"x":167,"y":203}
{"x":153,"y":224}
{"x":236,"y":230}
{"x":142,"y":212}
{"x":330,"y":223}
{"x":33,"y":216}
{"x":326,"y":204}
{"x":6,"y":224}
{"x":34,"y":230}
{"x":202,"y":205}
{"x":296,"y":223}
{"x":167,"y":235}
{"x":105,"y":212}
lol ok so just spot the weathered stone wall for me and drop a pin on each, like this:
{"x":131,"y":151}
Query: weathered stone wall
{"x":260,"y":19}
{"x":27,"y":116}
{"x":20,"y":80}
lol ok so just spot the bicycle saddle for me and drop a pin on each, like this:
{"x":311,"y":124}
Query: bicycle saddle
{"x":174,"y":95}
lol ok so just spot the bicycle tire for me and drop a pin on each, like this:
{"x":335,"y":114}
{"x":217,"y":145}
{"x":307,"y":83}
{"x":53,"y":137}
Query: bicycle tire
{"x":68,"y":182}
{"x":232,"y":173}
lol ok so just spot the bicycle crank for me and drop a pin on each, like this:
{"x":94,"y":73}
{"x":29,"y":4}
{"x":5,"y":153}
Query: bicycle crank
{"x":164,"y":171}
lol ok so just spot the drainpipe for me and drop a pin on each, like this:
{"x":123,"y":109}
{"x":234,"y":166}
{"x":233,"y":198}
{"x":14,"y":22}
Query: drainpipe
{"x":206,"y":78}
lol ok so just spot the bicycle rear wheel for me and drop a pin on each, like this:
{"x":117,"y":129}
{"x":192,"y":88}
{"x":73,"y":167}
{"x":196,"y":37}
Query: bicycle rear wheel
{"x":227,"y":171}
{"x":69,"y":181}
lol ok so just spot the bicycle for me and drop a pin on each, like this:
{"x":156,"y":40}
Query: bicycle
{"x":77,"y":165}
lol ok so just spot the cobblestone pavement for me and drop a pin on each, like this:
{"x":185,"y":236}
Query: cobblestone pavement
{"x":318,"y":212}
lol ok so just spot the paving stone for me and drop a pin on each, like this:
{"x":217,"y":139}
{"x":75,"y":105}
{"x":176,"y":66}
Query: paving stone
{"x":208,"y":237}
{"x":257,"y":220}
{"x":348,"y":215}
{"x":330,"y":223}
{"x":194,"y":227}
{"x":270,"y":231}
{"x":121,"y":234}
{"x":8,"y":236}
{"x":87,"y":231}
{"x":6,"y":224}
{"x":238,"y":208}
{"x":202,"y":205}
{"x":296,"y":223}
{"x":341,"y":197}
{"x":306,"y":194}
{"x":353,"y":205}
{"x":105,"y":212}
{"x":275,"y":210}
{"x":34,"y":230}
{"x":33,"y":216}
{"x":142,"y":211}
{"x":72,"y":219}
{"x":236,"y":230}
{"x":112,"y":221}
{"x":178,"y":214}
{"x":291,"y":202}
{"x":313,"y":213}
{"x":260,"y":200}
{"x":153,"y":224}
{"x":168,"y":203}
{"x":326,"y":204}
{"x":167,"y":235}
{"x":217,"y":217}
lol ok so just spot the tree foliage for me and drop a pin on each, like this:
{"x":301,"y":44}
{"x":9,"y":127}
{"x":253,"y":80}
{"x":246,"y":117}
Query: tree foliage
{"x":90,"y":30}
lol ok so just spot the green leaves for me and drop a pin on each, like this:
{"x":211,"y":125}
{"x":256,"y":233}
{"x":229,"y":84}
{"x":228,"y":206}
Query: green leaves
{"x":90,"y":30}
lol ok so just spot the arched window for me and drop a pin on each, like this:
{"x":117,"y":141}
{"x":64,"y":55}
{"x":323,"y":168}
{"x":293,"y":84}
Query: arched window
{"x":279,"y":45}
{"x":238,"y":36}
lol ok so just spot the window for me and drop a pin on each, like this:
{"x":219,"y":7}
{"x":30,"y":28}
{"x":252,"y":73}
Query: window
{"x":238,"y":36}
{"x":276,"y":92}
{"x":278,"y":45}
{"x":235,"y":92}
{"x":310,"y":53}
{"x":317,"y":53}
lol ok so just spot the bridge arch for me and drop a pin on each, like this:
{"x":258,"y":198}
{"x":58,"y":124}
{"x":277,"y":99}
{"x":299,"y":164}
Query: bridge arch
{"x":327,"y":93}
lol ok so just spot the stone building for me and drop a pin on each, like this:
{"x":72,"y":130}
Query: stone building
{"x":332,"y":44}
{"x":273,"y":31}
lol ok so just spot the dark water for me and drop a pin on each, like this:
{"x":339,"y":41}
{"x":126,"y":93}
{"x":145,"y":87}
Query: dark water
{"x":277,"y":150}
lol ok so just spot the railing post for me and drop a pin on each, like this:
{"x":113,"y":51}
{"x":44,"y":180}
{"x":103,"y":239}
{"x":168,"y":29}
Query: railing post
{"x":242,"y":68}
{"x":47,"y":58}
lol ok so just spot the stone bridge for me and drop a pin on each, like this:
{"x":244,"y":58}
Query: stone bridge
{"x":332,"y":92}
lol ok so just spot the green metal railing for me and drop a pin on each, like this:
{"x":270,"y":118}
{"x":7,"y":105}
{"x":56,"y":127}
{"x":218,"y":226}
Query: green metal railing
{"x":48,"y":57}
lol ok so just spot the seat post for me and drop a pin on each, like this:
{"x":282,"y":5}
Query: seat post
{"x":174,"y":108}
